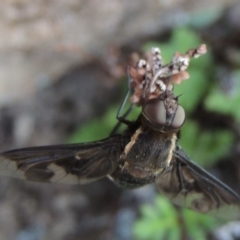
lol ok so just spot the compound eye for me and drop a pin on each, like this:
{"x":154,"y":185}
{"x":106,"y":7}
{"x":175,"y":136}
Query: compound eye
{"x":155,"y":111}
{"x":179,"y":118}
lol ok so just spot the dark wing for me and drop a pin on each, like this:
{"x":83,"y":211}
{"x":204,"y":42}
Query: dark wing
{"x":188,"y":185}
{"x":70,"y":164}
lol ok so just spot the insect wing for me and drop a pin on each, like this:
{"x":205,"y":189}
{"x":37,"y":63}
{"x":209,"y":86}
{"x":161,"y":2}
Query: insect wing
{"x":188,"y":185}
{"x":70,"y":164}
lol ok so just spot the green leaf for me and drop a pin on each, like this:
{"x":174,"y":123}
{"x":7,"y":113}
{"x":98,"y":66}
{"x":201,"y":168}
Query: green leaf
{"x":184,"y":38}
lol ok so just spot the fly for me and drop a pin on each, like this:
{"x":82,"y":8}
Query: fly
{"x":147,"y":152}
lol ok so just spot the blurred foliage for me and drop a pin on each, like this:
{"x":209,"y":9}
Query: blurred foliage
{"x":205,"y":146}
{"x":158,"y":221}
{"x":100,"y":128}
{"x":96,"y":129}
{"x":162,"y":220}
{"x":227,"y":104}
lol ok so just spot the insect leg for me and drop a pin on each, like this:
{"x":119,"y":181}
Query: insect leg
{"x":130,"y":90}
{"x":117,"y":126}
{"x":180,"y":176}
{"x":122,"y":119}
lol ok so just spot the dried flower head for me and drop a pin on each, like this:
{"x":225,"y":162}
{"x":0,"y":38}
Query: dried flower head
{"x":151,"y":78}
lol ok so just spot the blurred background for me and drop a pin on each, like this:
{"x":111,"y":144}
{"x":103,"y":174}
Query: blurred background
{"x":62,"y":77}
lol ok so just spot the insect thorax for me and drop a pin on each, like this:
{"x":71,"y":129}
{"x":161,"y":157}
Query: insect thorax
{"x":145,"y":157}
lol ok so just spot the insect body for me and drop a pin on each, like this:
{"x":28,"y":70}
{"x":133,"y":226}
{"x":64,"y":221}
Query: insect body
{"x":146,"y":152}
{"x":149,"y":152}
